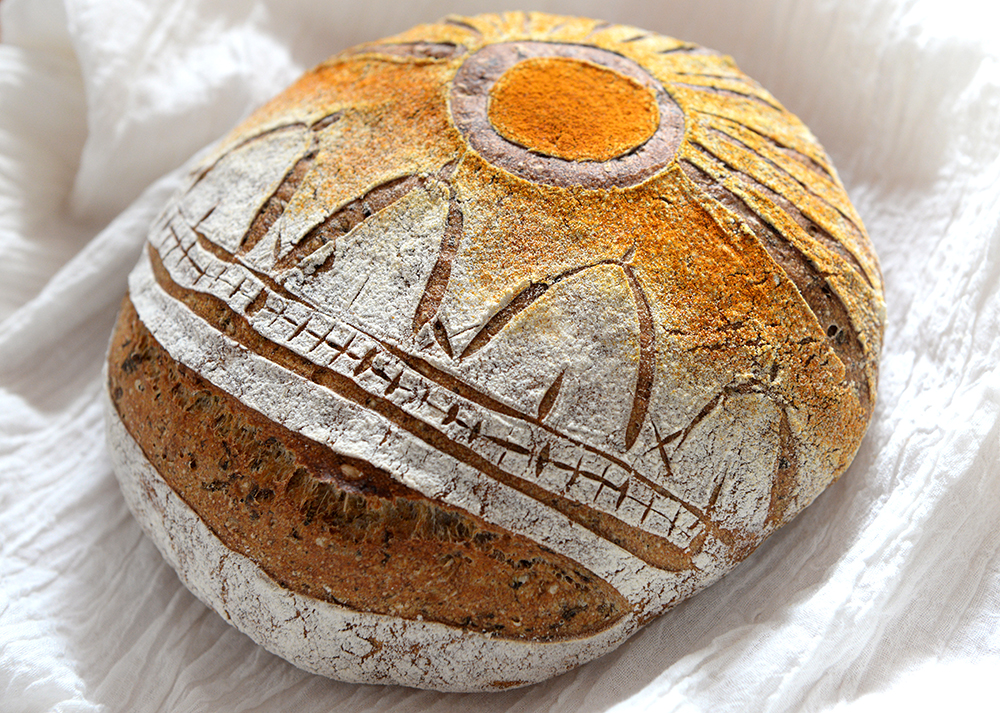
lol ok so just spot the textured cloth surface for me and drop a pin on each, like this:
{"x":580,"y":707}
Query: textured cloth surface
{"x":885,"y":593}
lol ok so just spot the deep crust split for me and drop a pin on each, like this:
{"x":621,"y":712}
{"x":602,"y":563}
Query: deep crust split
{"x":420,"y":382}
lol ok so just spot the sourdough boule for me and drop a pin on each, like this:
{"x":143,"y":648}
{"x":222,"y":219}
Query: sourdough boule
{"x":483,"y":345}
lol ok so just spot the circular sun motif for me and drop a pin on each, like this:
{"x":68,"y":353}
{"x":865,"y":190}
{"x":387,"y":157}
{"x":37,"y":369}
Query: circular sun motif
{"x":565,"y":114}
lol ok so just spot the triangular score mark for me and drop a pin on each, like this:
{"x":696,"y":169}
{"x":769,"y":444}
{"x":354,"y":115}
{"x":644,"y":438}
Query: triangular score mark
{"x":519,"y":303}
{"x":786,"y":472}
{"x":660,"y":443}
{"x":576,"y":473}
{"x":298,"y":330}
{"x":327,"y":121}
{"x":345,"y":219}
{"x":599,"y":26}
{"x":437,"y":281}
{"x":451,"y":416}
{"x":549,"y":398}
{"x":644,"y":377}
{"x":274,"y":206}
{"x":394,"y":384}
{"x":204,"y":170}
{"x":622,"y":494}
{"x":205,"y":217}
{"x":705,"y":411}
{"x":441,"y":335}
{"x":716,"y":491}
{"x":257,"y":303}
{"x":460,"y":23}
{"x":542,"y":460}
{"x":448,"y":171}
{"x":366,"y":361}
{"x":499,"y":320}
{"x":684,"y":50}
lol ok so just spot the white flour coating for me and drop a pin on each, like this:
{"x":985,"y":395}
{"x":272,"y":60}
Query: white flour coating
{"x":322,"y":637}
{"x":353,"y":430}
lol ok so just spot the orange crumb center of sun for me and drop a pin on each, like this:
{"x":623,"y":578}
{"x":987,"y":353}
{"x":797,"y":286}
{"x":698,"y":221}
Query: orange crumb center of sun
{"x":572,"y":109}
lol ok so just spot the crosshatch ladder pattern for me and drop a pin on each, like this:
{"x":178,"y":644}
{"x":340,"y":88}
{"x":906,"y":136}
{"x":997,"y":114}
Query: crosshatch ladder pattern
{"x":519,"y":447}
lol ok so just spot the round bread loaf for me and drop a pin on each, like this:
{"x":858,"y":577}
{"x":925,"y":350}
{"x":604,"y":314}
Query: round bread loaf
{"x":481,"y":346}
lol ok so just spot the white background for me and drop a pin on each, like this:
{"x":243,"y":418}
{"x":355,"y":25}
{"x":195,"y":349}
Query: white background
{"x":885,"y":593}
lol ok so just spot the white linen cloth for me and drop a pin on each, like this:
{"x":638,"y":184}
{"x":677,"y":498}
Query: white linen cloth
{"x":885,"y":593}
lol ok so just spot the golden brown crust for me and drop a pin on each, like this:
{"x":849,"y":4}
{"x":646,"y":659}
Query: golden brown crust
{"x":337,"y":528}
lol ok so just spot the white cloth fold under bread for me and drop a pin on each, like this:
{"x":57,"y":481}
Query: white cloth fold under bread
{"x":882,"y":594}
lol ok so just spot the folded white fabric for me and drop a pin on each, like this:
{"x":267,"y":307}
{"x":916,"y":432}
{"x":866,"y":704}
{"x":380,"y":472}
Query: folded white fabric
{"x":884,"y":593}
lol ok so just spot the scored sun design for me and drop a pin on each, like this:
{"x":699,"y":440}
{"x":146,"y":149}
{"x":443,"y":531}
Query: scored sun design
{"x":705,"y":263}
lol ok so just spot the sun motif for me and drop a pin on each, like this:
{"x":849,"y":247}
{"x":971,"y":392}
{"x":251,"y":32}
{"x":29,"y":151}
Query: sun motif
{"x":615,"y":241}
